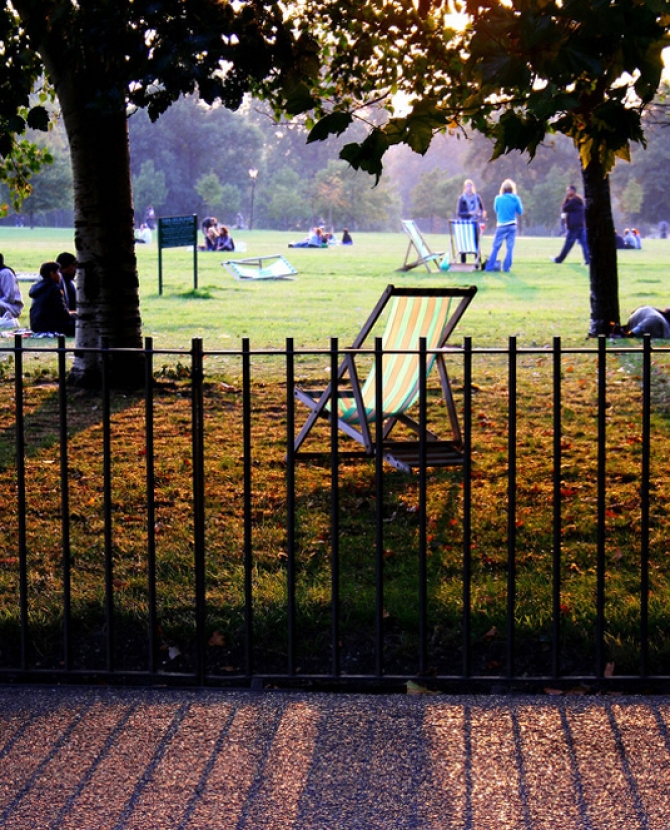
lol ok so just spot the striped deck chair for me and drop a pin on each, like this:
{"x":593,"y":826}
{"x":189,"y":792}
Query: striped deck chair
{"x":274,"y":267}
{"x":413,"y":313}
{"x":422,"y":254}
{"x":464,"y":241}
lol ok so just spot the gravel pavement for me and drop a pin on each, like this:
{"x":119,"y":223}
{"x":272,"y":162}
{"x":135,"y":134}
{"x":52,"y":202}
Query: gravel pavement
{"x":84,"y":758}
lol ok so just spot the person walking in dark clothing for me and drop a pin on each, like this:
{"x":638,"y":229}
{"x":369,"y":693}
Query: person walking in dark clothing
{"x":573,"y":212}
{"x":49,"y":312}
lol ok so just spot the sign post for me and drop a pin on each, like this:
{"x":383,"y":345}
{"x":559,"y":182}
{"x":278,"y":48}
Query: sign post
{"x":177,"y":232}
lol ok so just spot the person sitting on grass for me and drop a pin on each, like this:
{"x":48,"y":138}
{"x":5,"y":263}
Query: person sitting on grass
{"x":49,"y":312}
{"x":314,"y":240}
{"x":11,"y":302}
{"x":649,"y":320}
{"x":225,"y":240}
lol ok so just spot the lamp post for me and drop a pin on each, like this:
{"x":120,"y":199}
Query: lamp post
{"x":253,"y":175}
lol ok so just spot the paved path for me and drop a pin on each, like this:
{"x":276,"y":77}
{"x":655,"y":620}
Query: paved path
{"x":92,"y":758}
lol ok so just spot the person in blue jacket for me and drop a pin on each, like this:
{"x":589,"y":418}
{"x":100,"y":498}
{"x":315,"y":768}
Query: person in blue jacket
{"x":49,"y":312}
{"x":508,"y":207}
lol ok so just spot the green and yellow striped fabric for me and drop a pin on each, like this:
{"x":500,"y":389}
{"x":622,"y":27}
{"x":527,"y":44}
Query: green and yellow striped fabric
{"x":410,"y":318}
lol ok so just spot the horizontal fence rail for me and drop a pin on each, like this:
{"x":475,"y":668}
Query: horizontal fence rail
{"x":173,"y":534}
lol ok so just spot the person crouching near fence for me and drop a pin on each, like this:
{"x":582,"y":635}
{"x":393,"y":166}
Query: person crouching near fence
{"x":49,"y":313}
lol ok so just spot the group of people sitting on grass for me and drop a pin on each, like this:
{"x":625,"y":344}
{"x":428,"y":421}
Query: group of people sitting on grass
{"x":217,"y":237}
{"x":53,"y":308}
{"x":318,"y":237}
{"x":631,"y":239}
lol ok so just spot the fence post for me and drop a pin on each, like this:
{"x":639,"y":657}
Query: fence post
{"x":423,"y":534}
{"x":601,"y":494}
{"x":107,"y":504}
{"x":248,"y":555}
{"x":197,"y":428}
{"x":334,"y":513}
{"x":556,"y":563}
{"x":644,"y":505}
{"x":290,"y":502}
{"x":65,"y":501}
{"x":21,"y":497}
{"x":511,"y":503}
{"x":151,"y":499}
{"x":379,"y":515}
{"x":467,"y":501}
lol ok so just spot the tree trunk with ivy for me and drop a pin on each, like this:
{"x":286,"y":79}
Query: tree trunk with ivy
{"x":605,"y":314}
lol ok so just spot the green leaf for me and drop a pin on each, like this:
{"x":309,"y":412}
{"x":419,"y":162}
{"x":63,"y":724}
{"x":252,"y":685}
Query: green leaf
{"x":299,"y":100}
{"x":334,"y":123}
{"x":38,"y":119}
{"x":16,"y":124}
{"x":367,"y":155}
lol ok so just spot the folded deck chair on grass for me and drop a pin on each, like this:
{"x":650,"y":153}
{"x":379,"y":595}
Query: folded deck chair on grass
{"x":255,"y":268}
{"x":413,"y":313}
{"x":418,"y":252}
{"x":465,"y":234}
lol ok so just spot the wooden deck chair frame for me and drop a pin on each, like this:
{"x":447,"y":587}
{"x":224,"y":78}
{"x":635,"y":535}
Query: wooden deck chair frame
{"x":465,"y":239}
{"x":423,"y":255}
{"x":413,"y":304}
{"x":255,"y":268}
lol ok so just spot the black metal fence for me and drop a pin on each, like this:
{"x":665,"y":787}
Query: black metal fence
{"x":173,"y":535}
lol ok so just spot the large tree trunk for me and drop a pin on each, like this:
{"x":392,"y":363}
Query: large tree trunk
{"x":605,"y":314}
{"x":92,"y":100}
{"x":107,"y":283}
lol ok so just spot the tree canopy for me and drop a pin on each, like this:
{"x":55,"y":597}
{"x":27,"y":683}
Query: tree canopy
{"x":103,"y":58}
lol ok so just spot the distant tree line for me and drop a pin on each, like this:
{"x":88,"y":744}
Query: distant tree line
{"x":196,"y":159}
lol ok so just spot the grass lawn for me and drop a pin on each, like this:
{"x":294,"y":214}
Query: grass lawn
{"x":332,"y":296}
{"x":336,"y":289}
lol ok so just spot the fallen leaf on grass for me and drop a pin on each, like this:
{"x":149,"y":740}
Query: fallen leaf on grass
{"x":415,"y":689}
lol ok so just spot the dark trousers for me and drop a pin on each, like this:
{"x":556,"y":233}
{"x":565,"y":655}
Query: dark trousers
{"x":575,"y":235}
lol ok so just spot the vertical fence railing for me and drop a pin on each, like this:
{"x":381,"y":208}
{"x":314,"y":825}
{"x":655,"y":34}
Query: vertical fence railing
{"x":334,"y":517}
{"x":107,"y":508}
{"x":246,"y":508}
{"x":379,"y":513}
{"x":290,"y":507}
{"x":644,"y":506}
{"x":423,"y":510}
{"x":467,"y":507}
{"x":20,"y":456}
{"x":601,"y":480}
{"x":150,"y":467}
{"x":557,"y":506}
{"x":511,"y":503}
{"x":252,"y":666}
{"x":65,"y":502}
{"x":198,"y":434}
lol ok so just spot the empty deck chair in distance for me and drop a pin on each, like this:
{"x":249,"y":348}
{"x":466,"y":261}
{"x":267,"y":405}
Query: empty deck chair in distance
{"x":465,"y":235}
{"x":274,"y":267}
{"x":413,"y":313}
{"x":418,"y":252}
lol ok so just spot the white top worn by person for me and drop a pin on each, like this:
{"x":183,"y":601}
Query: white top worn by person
{"x":11,"y":302}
